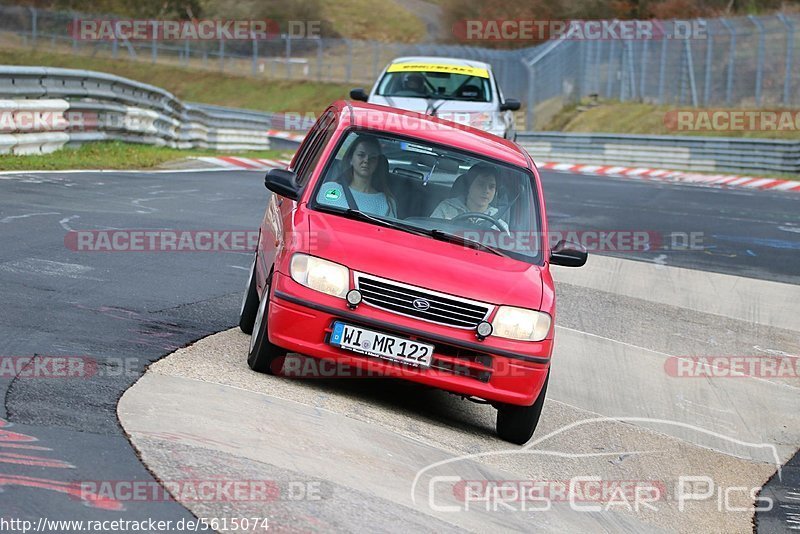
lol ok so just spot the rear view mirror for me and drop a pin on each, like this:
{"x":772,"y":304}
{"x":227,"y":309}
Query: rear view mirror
{"x":511,"y":104}
{"x":358,"y":94}
{"x":568,"y":254}
{"x":283,"y":183}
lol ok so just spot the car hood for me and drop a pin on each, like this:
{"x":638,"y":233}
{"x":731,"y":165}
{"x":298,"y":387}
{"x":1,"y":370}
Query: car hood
{"x":425,"y":262}
{"x":420,"y":105}
{"x":481,"y":115}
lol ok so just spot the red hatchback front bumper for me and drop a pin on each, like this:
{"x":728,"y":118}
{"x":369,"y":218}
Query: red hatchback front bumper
{"x":506,"y":371}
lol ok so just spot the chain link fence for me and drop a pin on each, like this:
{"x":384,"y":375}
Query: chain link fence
{"x":738,"y":62}
{"x":745,"y":62}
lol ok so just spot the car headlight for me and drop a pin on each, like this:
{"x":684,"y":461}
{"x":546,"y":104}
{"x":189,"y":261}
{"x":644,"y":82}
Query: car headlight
{"x":521,"y":324}
{"x":482,"y":121}
{"x":320,"y":275}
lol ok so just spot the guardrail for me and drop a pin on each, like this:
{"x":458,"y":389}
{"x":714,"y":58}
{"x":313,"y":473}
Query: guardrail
{"x":43,"y":109}
{"x":710,"y":154}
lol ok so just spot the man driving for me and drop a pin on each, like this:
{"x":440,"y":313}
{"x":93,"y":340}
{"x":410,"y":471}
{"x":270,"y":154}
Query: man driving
{"x":414,"y":82}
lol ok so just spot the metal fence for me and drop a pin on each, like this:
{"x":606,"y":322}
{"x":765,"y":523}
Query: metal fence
{"x":47,"y":108}
{"x":751,"y":62}
{"x":702,"y":154}
{"x":739,"y":62}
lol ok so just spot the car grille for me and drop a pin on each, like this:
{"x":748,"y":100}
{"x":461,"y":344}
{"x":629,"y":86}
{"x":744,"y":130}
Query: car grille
{"x":400,"y":298}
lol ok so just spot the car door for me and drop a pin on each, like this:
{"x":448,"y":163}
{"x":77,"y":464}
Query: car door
{"x":277,"y":227}
{"x":506,"y":117}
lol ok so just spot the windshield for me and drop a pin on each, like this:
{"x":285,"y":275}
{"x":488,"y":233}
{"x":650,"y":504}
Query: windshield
{"x":430,"y":190}
{"x":437,"y":85}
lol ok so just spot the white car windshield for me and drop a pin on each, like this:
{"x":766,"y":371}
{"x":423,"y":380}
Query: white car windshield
{"x":433,"y":190}
{"x":436,"y":85}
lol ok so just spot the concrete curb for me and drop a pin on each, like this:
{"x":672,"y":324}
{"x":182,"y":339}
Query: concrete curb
{"x":256,"y":164}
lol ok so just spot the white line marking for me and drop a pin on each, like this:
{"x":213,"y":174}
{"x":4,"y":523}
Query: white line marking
{"x":25,"y":216}
{"x":65,"y":222}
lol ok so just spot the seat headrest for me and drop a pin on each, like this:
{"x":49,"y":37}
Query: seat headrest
{"x":460,"y":187}
{"x":470,"y":91}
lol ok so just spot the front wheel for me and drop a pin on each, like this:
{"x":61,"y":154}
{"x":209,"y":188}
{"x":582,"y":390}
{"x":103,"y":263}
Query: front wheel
{"x":264,"y":356}
{"x":517,"y":423}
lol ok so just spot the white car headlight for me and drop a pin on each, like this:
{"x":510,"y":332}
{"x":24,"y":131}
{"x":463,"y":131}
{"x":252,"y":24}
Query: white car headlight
{"x":320,"y":275}
{"x":482,"y":121}
{"x":521,"y":324}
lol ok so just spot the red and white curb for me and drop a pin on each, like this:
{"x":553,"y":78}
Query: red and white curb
{"x":635,"y":173}
{"x":253,"y":164}
{"x":298,"y":138}
{"x":661,"y":175}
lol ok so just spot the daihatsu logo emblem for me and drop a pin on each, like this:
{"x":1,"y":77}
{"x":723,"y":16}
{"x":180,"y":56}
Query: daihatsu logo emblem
{"x":421,"y":304}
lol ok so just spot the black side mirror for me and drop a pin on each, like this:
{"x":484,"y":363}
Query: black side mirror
{"x":511,"y":104}
{"x":358,"y":94}
{"x":568,"y":254}
{"x":283,"y":183}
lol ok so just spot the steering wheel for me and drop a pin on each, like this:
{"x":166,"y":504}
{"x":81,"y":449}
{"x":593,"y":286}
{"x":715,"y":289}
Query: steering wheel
{"x":484,"y":216}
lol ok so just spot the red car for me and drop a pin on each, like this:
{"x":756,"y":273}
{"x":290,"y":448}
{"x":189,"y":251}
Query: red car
{"x":411,"y":247}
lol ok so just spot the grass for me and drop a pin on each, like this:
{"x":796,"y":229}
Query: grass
{"x":636,"y":118}
{"x":196,"y":85}
{"x":382,"y":21}
{"x":114,"y":155}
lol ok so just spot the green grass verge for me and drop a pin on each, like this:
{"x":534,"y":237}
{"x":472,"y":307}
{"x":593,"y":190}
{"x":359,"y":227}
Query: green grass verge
{"x":115,"y":155}
{"x":194,"y":85}
{"x":364,"y":19}
{"x":633,"y":118}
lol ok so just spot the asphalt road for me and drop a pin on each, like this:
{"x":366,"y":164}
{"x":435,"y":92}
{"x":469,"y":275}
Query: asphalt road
{"x":739,"y":232}
{"x":122,"y":310}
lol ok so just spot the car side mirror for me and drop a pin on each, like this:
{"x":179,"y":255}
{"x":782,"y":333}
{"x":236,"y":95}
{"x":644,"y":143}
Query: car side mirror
{"x":283,"y":183}
{"x":511,"y":104}
{"x":359,"y":94}
{"x":568,"y":254}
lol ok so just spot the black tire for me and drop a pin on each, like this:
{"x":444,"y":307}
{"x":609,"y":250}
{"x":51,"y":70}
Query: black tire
{"x":264,"y":356}
{"x":249,"y":308}
{"x":517,"y":423}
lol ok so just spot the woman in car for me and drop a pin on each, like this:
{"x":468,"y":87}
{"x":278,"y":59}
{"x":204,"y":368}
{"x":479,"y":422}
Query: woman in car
{"x":474,"y":191}
{"x":363,"y":185}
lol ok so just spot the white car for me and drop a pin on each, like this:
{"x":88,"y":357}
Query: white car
{"x":458,"y":90}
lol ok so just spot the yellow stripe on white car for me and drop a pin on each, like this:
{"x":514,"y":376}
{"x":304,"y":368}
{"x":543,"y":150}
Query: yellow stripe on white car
{"x":433,"y":67}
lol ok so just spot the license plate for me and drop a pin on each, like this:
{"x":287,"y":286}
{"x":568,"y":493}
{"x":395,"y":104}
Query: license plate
{"x":381,"y":345}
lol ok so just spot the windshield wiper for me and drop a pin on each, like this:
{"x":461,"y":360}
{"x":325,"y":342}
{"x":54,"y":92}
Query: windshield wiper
{"x":433,"y":107}
{"x":455,"y":238}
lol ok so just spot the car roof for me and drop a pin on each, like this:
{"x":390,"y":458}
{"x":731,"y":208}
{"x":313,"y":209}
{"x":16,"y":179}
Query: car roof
{"x":442,"y":61}
{"x":428,"y":128}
